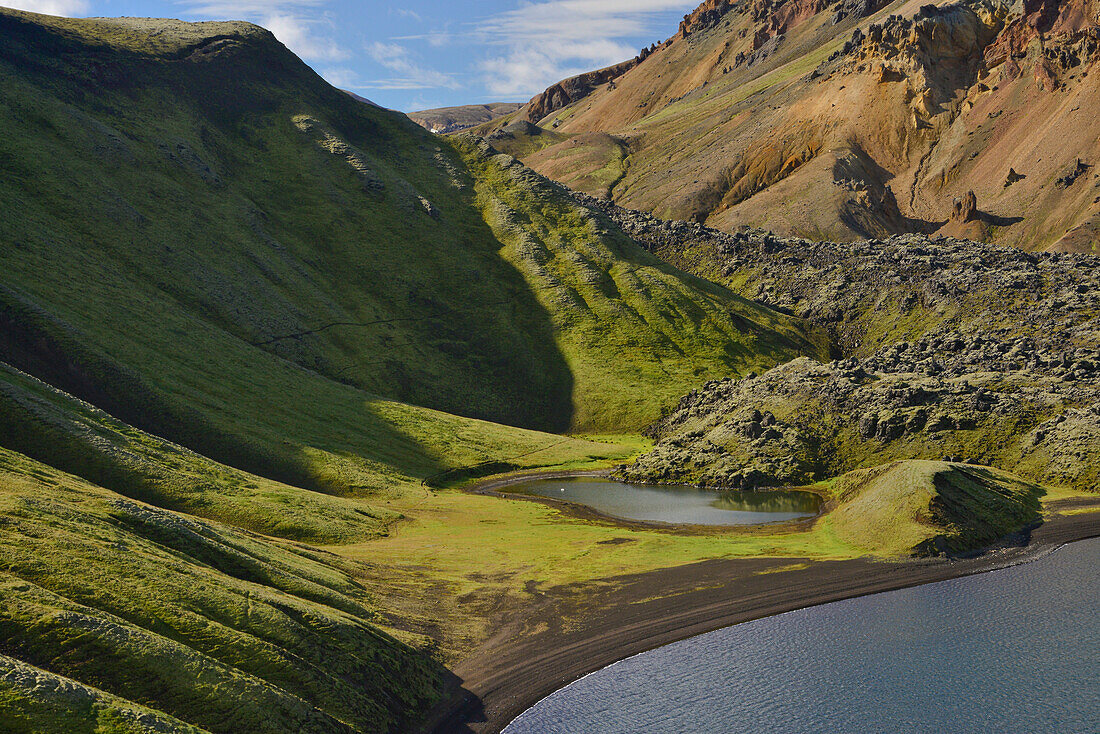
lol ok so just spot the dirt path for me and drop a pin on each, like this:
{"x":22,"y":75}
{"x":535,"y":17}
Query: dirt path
{"x":570,"y":632}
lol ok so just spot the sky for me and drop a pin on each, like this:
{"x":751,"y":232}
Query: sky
{"x":421,"y":54}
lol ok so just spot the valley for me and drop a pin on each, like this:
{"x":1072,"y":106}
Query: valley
{"x":274,"y":361}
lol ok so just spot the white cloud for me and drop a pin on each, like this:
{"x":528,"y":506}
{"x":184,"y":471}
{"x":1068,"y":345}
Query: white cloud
{"x":293,"y":22}
{"x":341,"y":77}
{"x":67,"y":8}
{"x":406,"y":72}
{"x":298,"y":35}
{"x":405,"y":13}
{"x":436,"y":38}
{"x":547,"y":41}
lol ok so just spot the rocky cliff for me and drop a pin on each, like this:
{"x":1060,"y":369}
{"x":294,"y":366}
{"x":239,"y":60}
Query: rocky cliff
{"x":570,"y":90}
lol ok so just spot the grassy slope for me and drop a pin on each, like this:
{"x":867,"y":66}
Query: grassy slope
{"x":174,"y":612}
{"x":521,"y":550}
{"x":631,"y":328}
{"x":62,"y":704}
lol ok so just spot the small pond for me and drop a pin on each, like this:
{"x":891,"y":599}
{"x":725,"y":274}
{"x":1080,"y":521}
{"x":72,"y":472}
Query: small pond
{"x":675,"y":505}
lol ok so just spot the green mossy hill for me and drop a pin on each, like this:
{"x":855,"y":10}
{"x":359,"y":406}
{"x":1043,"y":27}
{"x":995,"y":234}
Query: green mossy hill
{"x":35,"y":701}
{"x":930,"y":507}
{"x":225,"y":213}
{"x":217,"y":627}
{"x":154,"y":37}
{"x":74,"y":436}
{"x":630,"y":327}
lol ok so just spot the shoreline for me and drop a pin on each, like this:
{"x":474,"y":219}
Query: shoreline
{"x":568,"y":633}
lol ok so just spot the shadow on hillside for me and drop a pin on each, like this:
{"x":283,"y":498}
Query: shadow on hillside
{"x":873,"y":209}
{"x":995,"y":220}
{"x":456,"y":711}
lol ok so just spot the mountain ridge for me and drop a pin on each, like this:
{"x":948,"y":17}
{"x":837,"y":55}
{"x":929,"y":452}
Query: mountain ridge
{"x":850,"y":120}
{"x":445,"y":120}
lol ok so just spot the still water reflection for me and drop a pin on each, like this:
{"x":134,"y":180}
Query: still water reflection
{"x":680,"y":505}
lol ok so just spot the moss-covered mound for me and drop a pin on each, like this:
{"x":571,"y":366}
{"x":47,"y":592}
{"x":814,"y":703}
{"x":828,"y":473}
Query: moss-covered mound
{"x":930,"y":507}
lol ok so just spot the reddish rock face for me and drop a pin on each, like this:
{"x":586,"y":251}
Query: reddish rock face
{"x":779,"y":16}
{"x":1047,"y":19}
{"x":703,"y":17}
{"x":574,"y":88}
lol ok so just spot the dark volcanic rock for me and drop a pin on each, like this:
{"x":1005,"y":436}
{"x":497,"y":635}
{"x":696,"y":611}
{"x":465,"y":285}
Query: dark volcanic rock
{"x":945,"y":348}
{"x":985,"y":402}
{"x":870,"y":293}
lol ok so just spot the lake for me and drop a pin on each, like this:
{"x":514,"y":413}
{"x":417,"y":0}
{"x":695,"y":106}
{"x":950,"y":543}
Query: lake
{"x":675,"y":505}
{"x":1010,"y":651}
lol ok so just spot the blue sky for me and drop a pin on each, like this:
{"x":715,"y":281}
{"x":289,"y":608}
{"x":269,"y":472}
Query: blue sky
{"x":429,"y":53}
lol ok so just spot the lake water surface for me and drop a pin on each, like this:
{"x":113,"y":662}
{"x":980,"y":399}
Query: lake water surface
{"x":678,"y":505}
{"x":1011,"y":651}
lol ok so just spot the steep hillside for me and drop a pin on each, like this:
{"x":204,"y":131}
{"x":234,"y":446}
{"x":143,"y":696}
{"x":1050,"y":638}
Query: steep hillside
{"x":111,"y":607}
{"x":453,"y":119}
{"x":236,"y":211}
{"x":630,"y":327}
{"x":838,"y":121}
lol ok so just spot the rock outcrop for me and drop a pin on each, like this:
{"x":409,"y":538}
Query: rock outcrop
{"x":870,"y":293}
{"x":965,"y":208}
{"x":703,"y":17}
{"x":949,"y":397}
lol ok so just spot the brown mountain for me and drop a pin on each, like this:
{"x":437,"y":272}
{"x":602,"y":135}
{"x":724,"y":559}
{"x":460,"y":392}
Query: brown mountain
{"x":453,"y":119}
{"x":841,"y":120}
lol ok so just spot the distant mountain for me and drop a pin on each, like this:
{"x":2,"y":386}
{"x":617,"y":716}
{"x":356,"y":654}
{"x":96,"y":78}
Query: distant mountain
{"x":453,"y":119}
{"x":845,"y":120}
